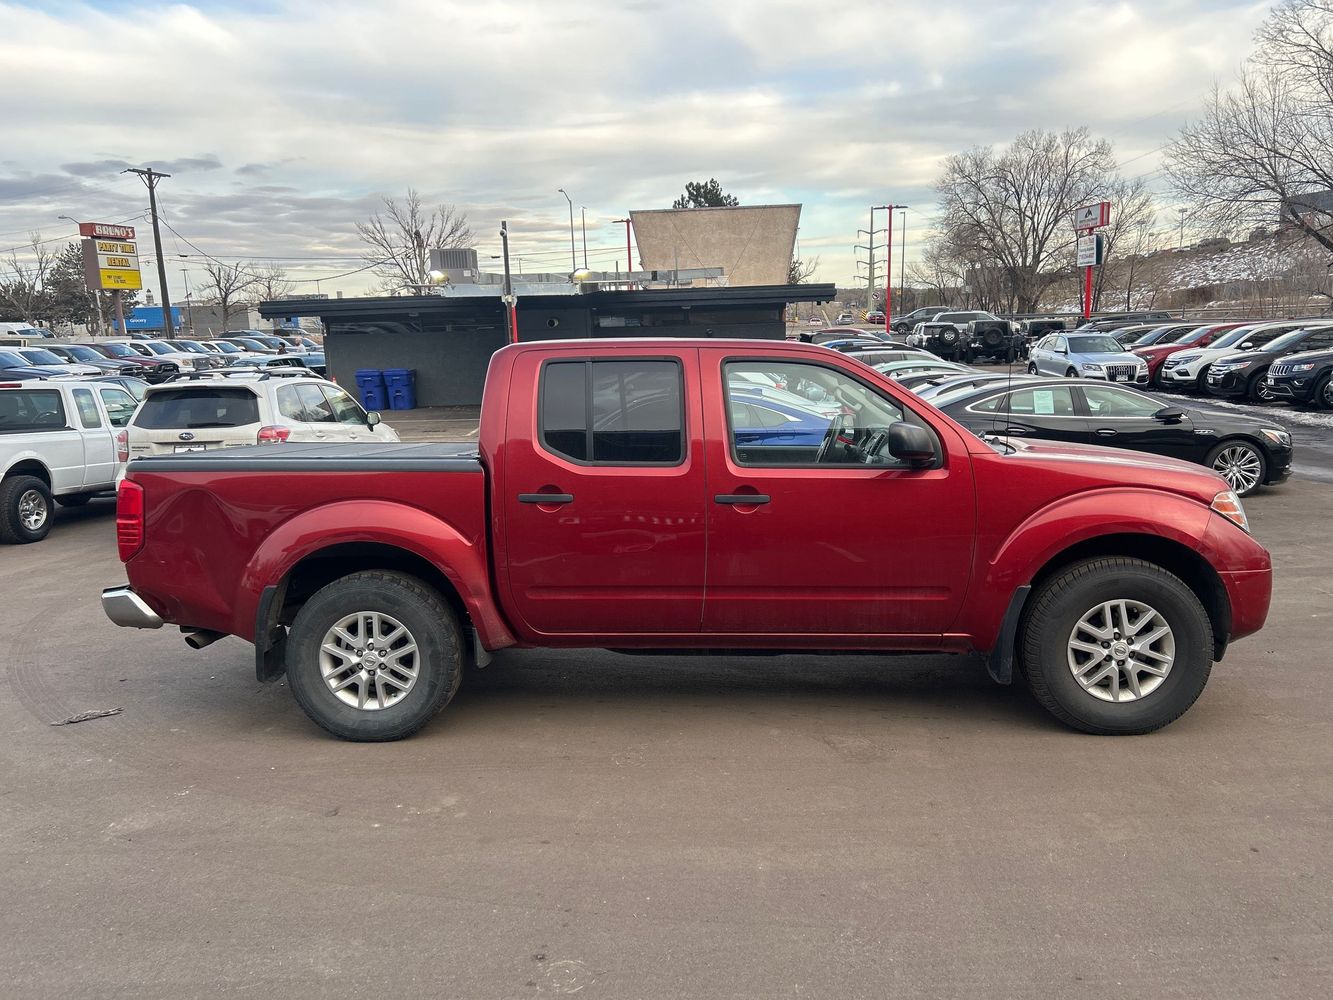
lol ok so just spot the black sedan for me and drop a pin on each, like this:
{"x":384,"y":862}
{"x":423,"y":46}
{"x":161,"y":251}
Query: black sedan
{"x":1247,"y":453}
{"x":1246,"y":374}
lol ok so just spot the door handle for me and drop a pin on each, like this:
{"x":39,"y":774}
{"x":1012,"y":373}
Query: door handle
{"x":1105,"y":432}
{"x":546,"y":498}
{"x":740,"y":499}
{"x":1016,"y":431}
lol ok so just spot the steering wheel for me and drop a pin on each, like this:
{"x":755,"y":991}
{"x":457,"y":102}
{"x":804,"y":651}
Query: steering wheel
{"x":835,"y":430}
{"x":871,"y":449}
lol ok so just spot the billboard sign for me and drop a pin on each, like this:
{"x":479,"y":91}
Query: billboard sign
{"x":1091,"y":250}
{"x":112,"y":263}
{"x":1093,"y":216}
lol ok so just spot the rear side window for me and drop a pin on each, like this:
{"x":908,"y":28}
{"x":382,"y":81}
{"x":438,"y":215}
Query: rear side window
{"x":23,"y":410}
{"x":88,"y":415}
{"x":198,"y":406}
{"x":614,"y":412}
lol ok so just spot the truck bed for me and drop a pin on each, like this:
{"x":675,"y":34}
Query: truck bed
{"x":367,"y":457}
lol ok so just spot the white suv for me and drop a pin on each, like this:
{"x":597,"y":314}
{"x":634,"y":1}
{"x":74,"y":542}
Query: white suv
{"x":212,"y":410}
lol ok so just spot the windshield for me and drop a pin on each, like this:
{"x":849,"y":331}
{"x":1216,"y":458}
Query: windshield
{"x":1180,"y":336}
{"x":254,"y":345}
{"x":159,"y":348}
{"x":190,"y":346}
{"x":226,"y":347}
{"x":84,"y":353}
{"x":40,"y":357}
{"x":12,"y":360}
{"x":119,"y":351}
{"x":1095,"y":345}
{"x":1287,"y":340}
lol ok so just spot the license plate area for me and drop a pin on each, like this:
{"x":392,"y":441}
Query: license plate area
{"x":180,"y":448}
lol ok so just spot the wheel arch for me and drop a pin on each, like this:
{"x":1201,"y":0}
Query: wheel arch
{"x":29,"y":467}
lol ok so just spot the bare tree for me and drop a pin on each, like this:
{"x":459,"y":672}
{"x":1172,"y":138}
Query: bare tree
{"x":225,"y":286}
{"x":399,"y":239}
{"x":24,"y":281}
{"x":1263,"y":150}
{"x":801,"y":271}
{"x":271,"y":282}
{"x":1007,"y":212}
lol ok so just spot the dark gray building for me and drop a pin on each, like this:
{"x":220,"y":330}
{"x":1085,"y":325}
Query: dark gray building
{"x":449,"y":339}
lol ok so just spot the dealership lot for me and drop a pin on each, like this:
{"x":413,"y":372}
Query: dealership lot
{"x":616,"y":826}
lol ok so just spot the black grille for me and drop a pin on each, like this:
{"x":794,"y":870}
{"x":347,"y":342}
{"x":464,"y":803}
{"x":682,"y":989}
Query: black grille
{"x":1121,"y":373}
{"x":1280,"y":370}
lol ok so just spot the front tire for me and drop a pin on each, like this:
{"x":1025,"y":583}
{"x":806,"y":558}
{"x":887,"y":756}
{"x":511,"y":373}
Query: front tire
{"x":25,"y":510}
{"x":1258,"y":390}
{"x":1116,"y":646}
{"x":1240,"y":463}
{"x":374,"y":656}
{"x":1032,"y":368}
{"x":1323,"y":393}
{"x":1071,"y":373}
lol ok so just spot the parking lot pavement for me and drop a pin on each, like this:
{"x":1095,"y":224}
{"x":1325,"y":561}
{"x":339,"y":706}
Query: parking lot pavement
{"x":612,"y":826}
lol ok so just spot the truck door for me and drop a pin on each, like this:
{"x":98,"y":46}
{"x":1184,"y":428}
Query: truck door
{"x":833,"y":536}
{"x":99,"y":442}
{"x":603,"y":494}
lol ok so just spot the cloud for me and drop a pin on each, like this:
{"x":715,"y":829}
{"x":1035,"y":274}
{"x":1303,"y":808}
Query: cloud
{"x":326,"y":105}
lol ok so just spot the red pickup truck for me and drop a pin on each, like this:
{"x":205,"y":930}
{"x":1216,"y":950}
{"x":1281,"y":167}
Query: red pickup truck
{"x":677,"y":495}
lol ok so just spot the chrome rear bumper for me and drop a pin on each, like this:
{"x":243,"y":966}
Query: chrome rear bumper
{"x":127,"y":609}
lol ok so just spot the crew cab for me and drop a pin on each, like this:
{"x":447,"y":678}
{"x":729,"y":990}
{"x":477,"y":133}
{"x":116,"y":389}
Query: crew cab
{"x":58,"y":442}
{"x":612,"y":501}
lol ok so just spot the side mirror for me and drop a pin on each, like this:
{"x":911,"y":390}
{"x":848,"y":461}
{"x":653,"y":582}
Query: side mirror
{"x":373,"y":418}
{"x":1170,"y":415}
{"x":1247,"y":346}
{"x":912,"y":444}
{"x":1061,"y":350}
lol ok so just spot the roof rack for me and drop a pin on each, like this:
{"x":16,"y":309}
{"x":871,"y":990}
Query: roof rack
{"x":254,"y":374}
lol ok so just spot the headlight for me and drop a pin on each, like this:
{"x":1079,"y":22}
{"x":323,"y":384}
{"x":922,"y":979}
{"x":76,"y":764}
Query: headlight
{"x":1185,"y":359}
{"x":1239,"y":364}
{"x":1229,"y":506}
{"x":1303,"y":368}
{"x":1090,"y":367}
{"x":186,"y":363}
{"x":1280,"y":438}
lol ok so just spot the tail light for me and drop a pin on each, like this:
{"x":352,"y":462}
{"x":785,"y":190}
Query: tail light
{"x":129,"y":519}
{"x":123,"y":446}
{"x":273,"y":434}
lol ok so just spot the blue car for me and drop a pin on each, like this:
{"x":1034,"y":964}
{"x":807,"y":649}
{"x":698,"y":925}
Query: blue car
{"x":1086,"y":355}
{"x":761,"y":417}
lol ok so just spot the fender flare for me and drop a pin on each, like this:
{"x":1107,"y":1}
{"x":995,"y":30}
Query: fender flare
{"x":460,"y":559}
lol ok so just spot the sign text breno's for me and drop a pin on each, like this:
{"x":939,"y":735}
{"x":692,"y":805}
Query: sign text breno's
{"x":106,"y":230}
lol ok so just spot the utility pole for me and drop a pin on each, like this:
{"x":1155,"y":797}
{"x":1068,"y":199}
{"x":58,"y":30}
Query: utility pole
{"x":189,"y":306}
{"x":1183,"y":212}
{"x":150,"y":177}
{"x":583,"y":214}
{"x":869,"y":247}
{"x":629,"y":255}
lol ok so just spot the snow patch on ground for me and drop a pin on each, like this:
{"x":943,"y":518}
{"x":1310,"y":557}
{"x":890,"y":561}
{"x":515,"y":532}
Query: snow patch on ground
{"x":1284,"y":416}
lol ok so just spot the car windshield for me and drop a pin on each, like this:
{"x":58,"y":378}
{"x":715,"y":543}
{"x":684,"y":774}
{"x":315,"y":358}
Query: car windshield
{"x":120,"y":351}
{"x":254,"y":345}
{"x":157,"y":348}
{"x":40,"y":357}
{"x":1180,"y":336}
{"x":84,"y":353}
{"x":190,"y":346}
{"x":11,"y":360}
{"x":226,"y":347}
{"x":1095,"y":345}
{"x":1289,"y":339}
{"x":1242,"y":333}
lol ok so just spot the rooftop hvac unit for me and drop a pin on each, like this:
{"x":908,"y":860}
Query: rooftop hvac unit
{"x":454,"y":260}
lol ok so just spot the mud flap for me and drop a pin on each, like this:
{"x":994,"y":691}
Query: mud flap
{"x":1000,"y":663}
{"x":270,"y":638}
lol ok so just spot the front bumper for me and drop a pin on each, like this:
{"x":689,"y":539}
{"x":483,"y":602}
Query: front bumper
{"x":1292,"y":388}
{"x":128,"y":610}
{"x":1227,"y":383}
{"x":1179,"y":375}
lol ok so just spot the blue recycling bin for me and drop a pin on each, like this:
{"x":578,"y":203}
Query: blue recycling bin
{"x":370,"y":384}
{"x":401,"y":387}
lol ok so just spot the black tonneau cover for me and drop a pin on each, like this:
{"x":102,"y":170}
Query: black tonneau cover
{"x":367,"y":457}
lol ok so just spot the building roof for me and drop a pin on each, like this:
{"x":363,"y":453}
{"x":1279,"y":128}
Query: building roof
{"x":603,"y":300}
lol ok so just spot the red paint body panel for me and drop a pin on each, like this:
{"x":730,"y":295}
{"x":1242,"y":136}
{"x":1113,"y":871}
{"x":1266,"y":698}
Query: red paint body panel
{"x":842,"y":557}
{"x":1156,"y":354}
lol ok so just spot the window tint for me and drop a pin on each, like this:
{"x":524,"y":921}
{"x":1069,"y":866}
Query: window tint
{"x":614,"y":412}
{"x":88,"y":415}
{"x":1324,"y":338}
{"x":31,"y":410}
{"x":198,"y":406}
{"x":819,"y":407}
{"x":315,"y":409}
{"x":1056,"y":401}
{"x":119,"y":406}
{"x":1117,"y":403}
{"x":345,"y":408}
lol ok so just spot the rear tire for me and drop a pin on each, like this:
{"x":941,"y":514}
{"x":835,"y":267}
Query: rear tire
{"x":365,"y":694}
{"x":1075,"y":676}
{"x":25,"y":510}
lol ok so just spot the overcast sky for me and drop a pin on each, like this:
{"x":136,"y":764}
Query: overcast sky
{"x":283,"y":121}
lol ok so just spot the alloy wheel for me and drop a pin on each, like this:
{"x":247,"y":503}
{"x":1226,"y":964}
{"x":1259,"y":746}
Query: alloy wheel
{"x":1240,"y":465}
{"x":33,"y":511}
{"x":369,"y":660}
{"x":1121,"y":651}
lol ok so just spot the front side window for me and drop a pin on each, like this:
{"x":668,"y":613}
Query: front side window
{"x":345,"y":408}
{"x":614,"y":412}
{"x":831,"y":418}
{"x":1115,"y":403}
{"x":119,"y":406}
{"x":88,"y":415}
{"x":23,"y":410}
{"x":308,"y":406}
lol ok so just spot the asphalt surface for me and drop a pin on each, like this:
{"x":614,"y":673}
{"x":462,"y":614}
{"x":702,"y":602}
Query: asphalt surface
{"x":598,"y":825}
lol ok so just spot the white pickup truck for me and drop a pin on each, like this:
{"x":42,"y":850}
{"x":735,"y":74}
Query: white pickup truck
{"x":60,"y":440}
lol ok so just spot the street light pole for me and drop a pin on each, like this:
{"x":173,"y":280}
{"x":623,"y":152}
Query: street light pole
{"x":573,"y":260}
{"x":583,"y":215}
{"x":150,"y":177}
{"x":888,"y":272}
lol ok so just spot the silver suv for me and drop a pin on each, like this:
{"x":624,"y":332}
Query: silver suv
{"x":208,"y":411}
